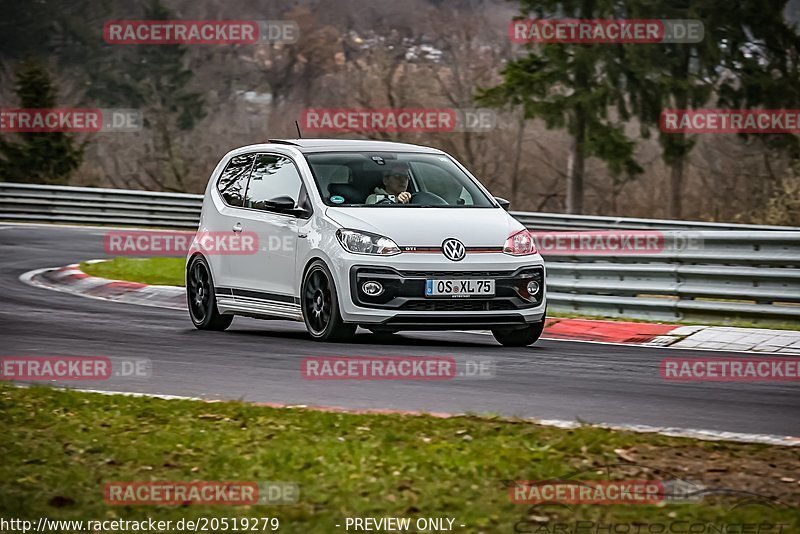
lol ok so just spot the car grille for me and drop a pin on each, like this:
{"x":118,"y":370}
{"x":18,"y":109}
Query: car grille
{"x":457,"y":305}
{"x":457,"y":274}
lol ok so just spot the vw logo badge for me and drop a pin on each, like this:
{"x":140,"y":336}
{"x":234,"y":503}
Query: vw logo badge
{"x":453,"y":249}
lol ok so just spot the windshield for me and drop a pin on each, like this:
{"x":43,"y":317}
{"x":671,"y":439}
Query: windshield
{"x":393,"y":179}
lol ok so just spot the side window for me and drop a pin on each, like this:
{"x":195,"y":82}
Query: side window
{"x":273,"y":176}
{"x":233,"y":180}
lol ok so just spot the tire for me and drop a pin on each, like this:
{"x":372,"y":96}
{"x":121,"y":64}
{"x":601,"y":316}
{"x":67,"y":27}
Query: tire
{"x":519,"y":337}
{"x":320,"y":305}
{"x":201,"y":298}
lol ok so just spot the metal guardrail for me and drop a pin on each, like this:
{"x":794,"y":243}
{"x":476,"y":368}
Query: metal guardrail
{"x":33,"y":202}
{"x":89,"y":205}
{"x":560,"y":221}
{"x":737,"y":272}
{"x":714,"y":290}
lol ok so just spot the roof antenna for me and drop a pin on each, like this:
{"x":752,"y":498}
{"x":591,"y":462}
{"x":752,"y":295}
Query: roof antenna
{"x":296,"y":125}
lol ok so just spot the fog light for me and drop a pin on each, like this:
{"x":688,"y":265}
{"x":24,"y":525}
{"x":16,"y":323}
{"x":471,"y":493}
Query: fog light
{"x":533,"y":287}
{"x":373,"y":289}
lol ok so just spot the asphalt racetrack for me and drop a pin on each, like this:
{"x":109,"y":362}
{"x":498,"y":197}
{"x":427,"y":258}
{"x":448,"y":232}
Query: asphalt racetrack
{"x":260,"y":360}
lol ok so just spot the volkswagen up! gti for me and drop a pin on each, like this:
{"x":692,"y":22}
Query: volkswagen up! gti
{"x":386,"y":236}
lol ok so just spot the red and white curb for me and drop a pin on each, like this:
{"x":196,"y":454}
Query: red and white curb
{"x":71,"y":279}
{"x":705,"y":435}
{"x":725,"y":338}
{"x":734,"y":339}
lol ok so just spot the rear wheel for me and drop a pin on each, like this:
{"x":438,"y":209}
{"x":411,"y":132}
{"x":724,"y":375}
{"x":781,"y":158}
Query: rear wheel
{"x":321,"y":306}
{"x":201,"y":298}
{"x":519,"y":337}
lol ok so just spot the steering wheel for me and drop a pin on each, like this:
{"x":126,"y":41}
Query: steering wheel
{"x":425,"y":197}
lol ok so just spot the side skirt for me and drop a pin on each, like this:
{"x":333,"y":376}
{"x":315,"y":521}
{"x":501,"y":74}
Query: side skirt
{"x":257,"y":304}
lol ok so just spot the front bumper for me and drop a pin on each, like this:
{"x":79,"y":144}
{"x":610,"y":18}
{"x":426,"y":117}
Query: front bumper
{"x":403,"y":304}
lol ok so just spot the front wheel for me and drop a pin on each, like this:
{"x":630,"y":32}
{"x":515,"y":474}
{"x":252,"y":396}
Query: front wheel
{"x":519,"y":337}
{"x":201,"y":298}
{"x":321,"y":306}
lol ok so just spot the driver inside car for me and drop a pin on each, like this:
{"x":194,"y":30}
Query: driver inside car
{"x":395,"y":185}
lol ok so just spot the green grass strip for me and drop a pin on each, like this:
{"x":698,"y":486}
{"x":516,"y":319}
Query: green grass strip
{"x":59,"y":448}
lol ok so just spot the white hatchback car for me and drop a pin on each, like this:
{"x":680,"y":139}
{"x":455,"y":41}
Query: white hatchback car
{"x":386,"y":236}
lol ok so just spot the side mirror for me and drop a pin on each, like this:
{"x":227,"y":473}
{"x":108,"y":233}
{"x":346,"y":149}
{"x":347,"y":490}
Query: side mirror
{"x":281,"y":203}
{"x":285,"y":204}
{"x":505,"y":204}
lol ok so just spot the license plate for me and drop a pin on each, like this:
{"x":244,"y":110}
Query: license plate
{"x":459,"y":288}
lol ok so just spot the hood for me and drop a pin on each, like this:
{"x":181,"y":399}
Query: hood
{"x":408,"y":226}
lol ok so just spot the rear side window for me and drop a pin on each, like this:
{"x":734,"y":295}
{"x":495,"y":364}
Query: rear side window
{"x":233,"y":180}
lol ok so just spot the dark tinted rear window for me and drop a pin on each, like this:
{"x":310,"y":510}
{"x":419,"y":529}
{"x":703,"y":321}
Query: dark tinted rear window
{"x":233,"y":180}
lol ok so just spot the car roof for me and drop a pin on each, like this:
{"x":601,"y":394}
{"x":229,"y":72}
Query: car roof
{"x":355,"y":145}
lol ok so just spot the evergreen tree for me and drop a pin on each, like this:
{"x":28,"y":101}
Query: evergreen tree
{"x":572,"y":86}
{"x":748,"y":58}
{"x":38,"y":157}
{"x":69,"y":33}
{"x":154,"y":79}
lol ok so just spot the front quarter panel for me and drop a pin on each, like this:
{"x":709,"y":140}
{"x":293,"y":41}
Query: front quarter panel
{"x":320,"y":243}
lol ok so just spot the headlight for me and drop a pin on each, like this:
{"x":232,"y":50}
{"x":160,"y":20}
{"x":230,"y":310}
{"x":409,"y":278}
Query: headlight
{"x":520,"y":244}
{"x":359,"y":242}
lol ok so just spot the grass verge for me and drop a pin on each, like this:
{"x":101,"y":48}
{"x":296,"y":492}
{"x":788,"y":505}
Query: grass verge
{"x":59,"y":448}
{"x":154,"y":271}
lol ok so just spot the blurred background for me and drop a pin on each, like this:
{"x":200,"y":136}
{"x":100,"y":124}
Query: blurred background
{"x":577,"y":124}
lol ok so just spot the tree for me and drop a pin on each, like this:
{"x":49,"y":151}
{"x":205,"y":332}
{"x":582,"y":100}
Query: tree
{"x":155,"y":79}
{"x":39,"y":157}
{"x":748,"y":58}
{"x":69,"y":33}
{"x":784,"y":207}
{"x":572,"y":86}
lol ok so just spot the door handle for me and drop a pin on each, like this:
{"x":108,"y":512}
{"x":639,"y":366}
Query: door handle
{"x":302,"y":236}
{"x":237,"y":227}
